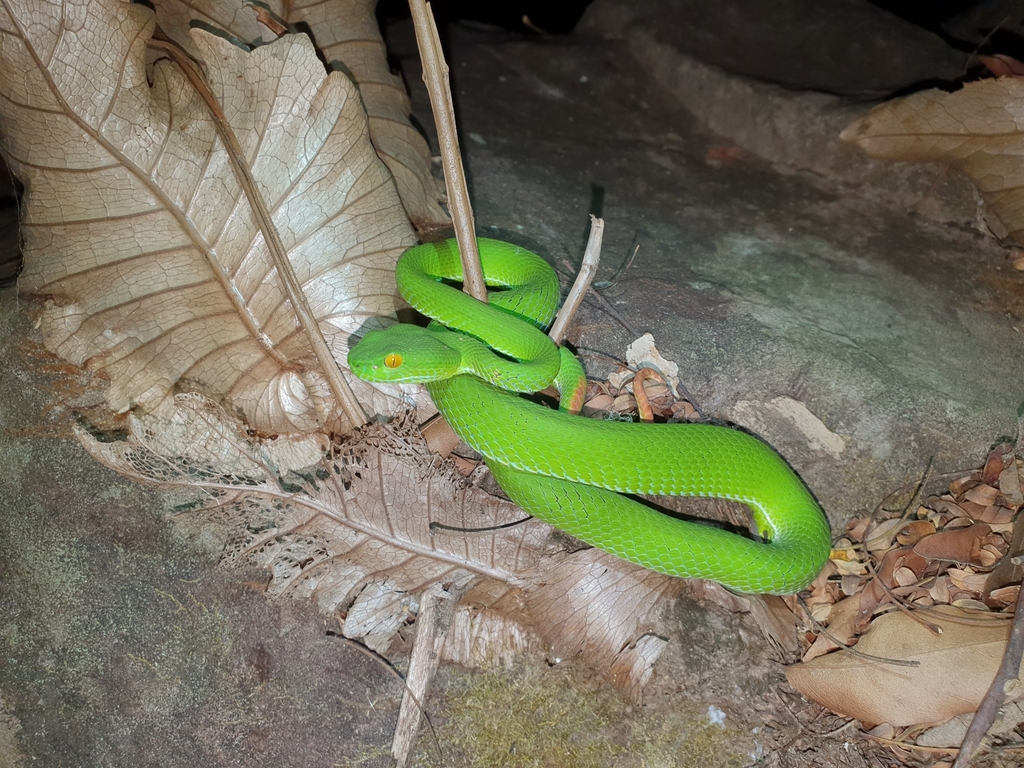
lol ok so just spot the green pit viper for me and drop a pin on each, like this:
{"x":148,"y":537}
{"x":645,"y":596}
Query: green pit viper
{"x":568,"y":470}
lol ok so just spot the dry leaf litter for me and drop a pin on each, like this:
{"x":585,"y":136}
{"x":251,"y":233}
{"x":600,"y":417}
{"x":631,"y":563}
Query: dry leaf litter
{"x":913,"y":611}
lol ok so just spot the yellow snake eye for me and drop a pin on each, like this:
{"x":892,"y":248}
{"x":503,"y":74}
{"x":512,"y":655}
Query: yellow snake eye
{"x":393,"y":360}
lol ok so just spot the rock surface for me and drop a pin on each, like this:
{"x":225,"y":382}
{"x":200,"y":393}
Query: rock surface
{"x":779,"y":270}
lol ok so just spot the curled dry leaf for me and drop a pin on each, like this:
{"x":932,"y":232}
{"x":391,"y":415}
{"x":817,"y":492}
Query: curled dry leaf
{"x":346,"y":34}
{"x":139,"y":238}
{"x":978,"y":129}
{"x":960,"y":545}
{"x":342,"y":533}
{"x":954,"y":669}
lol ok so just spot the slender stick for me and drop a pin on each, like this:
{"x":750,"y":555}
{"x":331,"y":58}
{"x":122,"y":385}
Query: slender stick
{"x":435,"y":76}
{"x":583,"y":280}
{"x":437,"y":611}
{"x":995,"y":697}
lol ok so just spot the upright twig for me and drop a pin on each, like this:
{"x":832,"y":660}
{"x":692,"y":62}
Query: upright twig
{"x":435,"y":76}
{"x":437,"y":610}
{"x":995,"y":697}
{"x":584,"y":278}
{"x":437,"y":606}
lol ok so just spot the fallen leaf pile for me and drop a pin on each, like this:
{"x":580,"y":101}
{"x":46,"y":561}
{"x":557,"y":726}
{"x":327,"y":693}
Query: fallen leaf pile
{"x":914,"y":610}
{"x":646,"y":384}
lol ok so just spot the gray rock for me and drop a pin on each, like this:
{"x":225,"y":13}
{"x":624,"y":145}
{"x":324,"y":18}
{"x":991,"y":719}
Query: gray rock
{"x":849,"y":47}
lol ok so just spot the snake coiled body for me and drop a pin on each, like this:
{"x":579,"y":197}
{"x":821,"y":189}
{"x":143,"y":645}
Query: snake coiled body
{"x":572,"y":471}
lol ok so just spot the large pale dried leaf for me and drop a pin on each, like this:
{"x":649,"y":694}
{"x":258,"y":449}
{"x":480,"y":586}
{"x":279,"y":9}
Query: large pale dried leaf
{"x":978,"y":129}
{"x":137,"y":233}
{"x":353,"y":533}
{"x":346,"y":32}
{"x":954,"y":669}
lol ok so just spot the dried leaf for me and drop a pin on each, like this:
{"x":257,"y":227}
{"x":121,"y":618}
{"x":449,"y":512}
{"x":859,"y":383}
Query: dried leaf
{"x":914,"y":531}
{"x":880,"y":537}
{"x":1003,"y":66}
{"x":378,"y":520}
{"x":960,"y":545}
{"x":346,"y":34}
{"x":939,"y":591}
{"x":138,"y":236}
{"x":1009,"y":484}
{"x":945,"y":506}
{"x":874,"y":593}
{"x":1003,"y":597}
{"x":840,"y":630}
{"x":955,"y":669}
{"x":858,"y":527}
{"x":967,"y":580}
{"x":998,"y":459}
{"x":904,"y":577}
{"x":982,"y":494}
{"x":978,"y":129}
{"x":951,"y":733}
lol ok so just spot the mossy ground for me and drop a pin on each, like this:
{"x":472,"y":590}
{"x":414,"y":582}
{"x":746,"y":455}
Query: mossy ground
{"x":533,"y":716}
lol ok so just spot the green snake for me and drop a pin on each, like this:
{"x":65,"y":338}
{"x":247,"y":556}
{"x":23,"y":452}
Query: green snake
{"x":571,"y":471}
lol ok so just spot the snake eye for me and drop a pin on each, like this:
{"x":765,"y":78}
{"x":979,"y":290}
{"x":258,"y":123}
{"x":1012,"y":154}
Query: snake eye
{"x":393,"y":360}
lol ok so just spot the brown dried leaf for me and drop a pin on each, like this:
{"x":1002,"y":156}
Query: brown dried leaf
{"x":960,"y":545}
{"x":1003,"y":66}
{"x":347,"y":36}
{"x":967,"y":580}
{"x":978,"y":129}
{"x":601,"y":402}
{"x":998,"y":459}
{"x":874,"y":593}
{"x":945,"y":506}
{"x":939,"y":591}
{"x":858,"y":527}
{"x":1009,"y":484}
{"x":370,"y":526}
{"x":982,"y":494}
{"x":880,"y":537}
{"x":138,"y":236}
{"x":1003,"y":597}
{"x":954,"y":669}
{"x":904,"y":577}
{"x":997,"y":516}
{"x":914,"y":531}
{"x":841,"y":629}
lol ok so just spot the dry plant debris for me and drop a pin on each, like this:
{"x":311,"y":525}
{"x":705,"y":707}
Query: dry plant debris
{"x":978,"y":129}
{"x":144,"y":246}
{"x":376,"y":520}
{"x":914,"y":610}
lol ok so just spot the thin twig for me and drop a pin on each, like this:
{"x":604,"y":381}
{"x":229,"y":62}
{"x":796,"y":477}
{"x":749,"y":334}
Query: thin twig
{"x":605,"y":305}
{"x":898,"y":603}
{"x":437,"y":611}
{"x":583,"y":280}
{"x":933,"y":750}
{"x":435,"y":76}
{"x":436,"y":527}
{"x":1009,"y":670}
{"x":595,"y":295}
{"x":620,"y":272}
{"x":918,"y":485}
{"x":819,"y":628}
{"x":825,"y":735}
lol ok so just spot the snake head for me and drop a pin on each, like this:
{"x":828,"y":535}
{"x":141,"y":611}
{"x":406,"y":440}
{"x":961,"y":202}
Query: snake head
{"x":403,"y":353}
